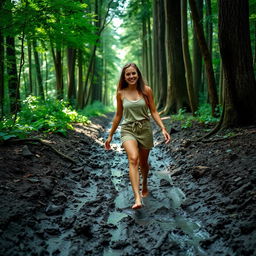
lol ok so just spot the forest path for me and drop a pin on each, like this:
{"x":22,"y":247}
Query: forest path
{"x":86,"y":209}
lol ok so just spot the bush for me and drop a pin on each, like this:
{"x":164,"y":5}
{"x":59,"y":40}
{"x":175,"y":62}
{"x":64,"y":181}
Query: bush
{"x":96,"y":109}
{"x":36,"y":115}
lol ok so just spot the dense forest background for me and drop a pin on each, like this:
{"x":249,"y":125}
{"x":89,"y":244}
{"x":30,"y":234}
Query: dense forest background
{"x":196,"y":55}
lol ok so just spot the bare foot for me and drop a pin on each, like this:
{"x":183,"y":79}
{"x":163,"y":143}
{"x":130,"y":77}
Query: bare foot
{"x":144,"y":193}
{"x":136,"y":206}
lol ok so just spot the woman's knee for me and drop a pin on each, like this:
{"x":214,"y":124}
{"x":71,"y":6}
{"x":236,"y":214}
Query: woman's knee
{"x":134,"y":160}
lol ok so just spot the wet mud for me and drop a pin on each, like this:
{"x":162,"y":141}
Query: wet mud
{"x":53,"y":207}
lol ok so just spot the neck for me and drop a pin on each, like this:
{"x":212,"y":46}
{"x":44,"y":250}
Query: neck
{"x":132,"y":86}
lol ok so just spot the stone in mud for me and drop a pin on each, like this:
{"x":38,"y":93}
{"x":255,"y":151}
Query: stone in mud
{"x":47,"y":185}
{"x":26,"y":152}
{"x":60,"y":198}
{"x":199,"y":171}
{"x":78,"y":169}
{"x":53,"y":209}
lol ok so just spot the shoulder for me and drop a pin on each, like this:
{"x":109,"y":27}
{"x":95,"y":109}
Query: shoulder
{"x":120,"y":94}
{"x":148,"y":90}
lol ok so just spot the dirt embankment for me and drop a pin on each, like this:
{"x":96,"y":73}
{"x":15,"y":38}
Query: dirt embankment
{"x":51,"y":206}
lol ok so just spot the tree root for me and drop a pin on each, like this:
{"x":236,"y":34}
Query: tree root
{"x":30,"y":140}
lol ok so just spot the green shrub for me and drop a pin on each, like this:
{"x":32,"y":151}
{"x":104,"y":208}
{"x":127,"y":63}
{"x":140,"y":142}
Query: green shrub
{"x":50,"y":115}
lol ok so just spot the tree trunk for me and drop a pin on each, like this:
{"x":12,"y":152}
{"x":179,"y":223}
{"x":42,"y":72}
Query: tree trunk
{"x":12,"y":74}
{"x":206,"y":55}
{"x":177,"y":96}
{"x":197,"y":56}
{"x":162,"y":78}
{"x":57,"y":58}
{"x":38,"y":71}
{"x":236,"y":53}
{"x":150,"y":61}
{"x":80,"y":80}
{"x":71,"y":59}
{"x":1,"y":75}
{"x":186,"y":57}
{"x":30,"y":83}
{"x":155,"y":48}
{"x":144,"y":44}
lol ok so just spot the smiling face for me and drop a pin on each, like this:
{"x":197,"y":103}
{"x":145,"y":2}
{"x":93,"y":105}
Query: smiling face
{"x":131,"y":75}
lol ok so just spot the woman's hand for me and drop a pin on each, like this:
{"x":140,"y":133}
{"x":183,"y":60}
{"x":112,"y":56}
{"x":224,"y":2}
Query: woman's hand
{"x":107,"y":143}
{"x":167,"y":136}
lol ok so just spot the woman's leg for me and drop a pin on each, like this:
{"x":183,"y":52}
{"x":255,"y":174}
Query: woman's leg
{"x":144,"y":168}
{"x":131,"y":148}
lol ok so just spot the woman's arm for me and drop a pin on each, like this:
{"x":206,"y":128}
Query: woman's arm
{"x":116,"y":120}
{"x":155,"y":114}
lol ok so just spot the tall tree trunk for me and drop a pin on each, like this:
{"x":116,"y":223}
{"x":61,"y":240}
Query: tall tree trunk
{"x":38,"y":70}
{"x":80,"y":80}
{"x":221,"y":85}
{"x":197,"y":56}
{"x":186,"y":57}
{"x":162,"y":77}
{"x":12,"y":74}
{"x":177,"y":96}
{"x":236,"y":53}
{"x":30,"y":83}
{"x":206,"y":55}
{"x":71,"y":59}
{"x":1,"y":74}
{"x":150,"y":61}
{"x":57,"y":58}
{"x":155,"y":48}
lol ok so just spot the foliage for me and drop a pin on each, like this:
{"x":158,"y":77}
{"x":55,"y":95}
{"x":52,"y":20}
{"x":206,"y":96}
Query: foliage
{"x":203,"y":115}
{"x":37,"y":115}
{"x":96,"y":109}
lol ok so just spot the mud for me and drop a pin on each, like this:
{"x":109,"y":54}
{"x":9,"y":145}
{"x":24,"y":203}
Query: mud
{"x":202,"y":196}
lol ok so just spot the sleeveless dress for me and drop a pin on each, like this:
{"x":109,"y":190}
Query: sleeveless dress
{"x":136,"y":124}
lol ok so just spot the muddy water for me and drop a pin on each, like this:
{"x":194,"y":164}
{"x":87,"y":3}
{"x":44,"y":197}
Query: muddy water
{"x":89,"y":213}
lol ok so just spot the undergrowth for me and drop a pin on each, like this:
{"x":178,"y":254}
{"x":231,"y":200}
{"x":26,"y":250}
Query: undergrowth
{"x":96,"y":109}
{"x":202,"y":115}
{"x":51,"y":115}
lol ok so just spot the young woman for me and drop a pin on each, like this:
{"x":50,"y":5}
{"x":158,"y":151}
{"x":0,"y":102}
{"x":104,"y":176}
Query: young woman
{"x":134,"y":99}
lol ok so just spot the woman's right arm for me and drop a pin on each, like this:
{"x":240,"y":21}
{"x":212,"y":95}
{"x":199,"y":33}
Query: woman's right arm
{"x":116,"y":120}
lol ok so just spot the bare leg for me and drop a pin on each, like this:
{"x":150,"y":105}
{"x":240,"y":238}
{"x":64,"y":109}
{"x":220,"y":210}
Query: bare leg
{"x":131,"y":148}
{"x":144,"y":167}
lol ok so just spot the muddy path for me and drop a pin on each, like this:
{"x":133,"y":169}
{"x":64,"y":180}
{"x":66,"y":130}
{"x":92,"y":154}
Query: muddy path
{"x":85,"y":209}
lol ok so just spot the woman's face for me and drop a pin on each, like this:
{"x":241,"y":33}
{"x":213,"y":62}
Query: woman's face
{"x":131,"y":75}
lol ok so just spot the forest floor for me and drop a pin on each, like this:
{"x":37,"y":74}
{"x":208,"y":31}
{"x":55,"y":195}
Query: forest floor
{"x":202,"y":195}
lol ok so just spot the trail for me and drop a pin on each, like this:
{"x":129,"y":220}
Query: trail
{"x":89,"y":211}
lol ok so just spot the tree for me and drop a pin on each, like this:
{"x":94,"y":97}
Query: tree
{"x":177,"y":96}
{"x":240,"y":86}
{"x":212,"y":91}
{"x":186,"y":57}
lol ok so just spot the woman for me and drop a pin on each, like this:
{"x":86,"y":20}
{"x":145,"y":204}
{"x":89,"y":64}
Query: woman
{"x":134,"y":99}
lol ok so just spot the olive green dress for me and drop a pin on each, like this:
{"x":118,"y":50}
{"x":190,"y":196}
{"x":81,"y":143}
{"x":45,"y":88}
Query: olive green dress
{"x":136,"y":124}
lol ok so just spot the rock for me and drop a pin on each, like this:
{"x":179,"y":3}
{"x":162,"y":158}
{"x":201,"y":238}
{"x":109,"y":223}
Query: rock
{"x":53,"y":209}
{"x":83,"y":228}
{"x":52,"y":231}
{"x":47,"y":185}
{"x":199,"y":171}
{"x":26,"y":152}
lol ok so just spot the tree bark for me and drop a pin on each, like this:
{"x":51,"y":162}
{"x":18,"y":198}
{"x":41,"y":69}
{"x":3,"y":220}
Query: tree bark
{"x":80,"y":80}
{"x":186,"y":57}
{"x":197,"y":56}
{"x":206,"y":55}
{"x":12,"y":74}
{"x":38,"y":71}
{"x":1,"y":74}
{"x":236,"y":53}
{"x":177,"y":96}
{"x":57,"y":58}
{"x":71,"y":59}
{"x":30,"y":81}
{"x":162,"y":79}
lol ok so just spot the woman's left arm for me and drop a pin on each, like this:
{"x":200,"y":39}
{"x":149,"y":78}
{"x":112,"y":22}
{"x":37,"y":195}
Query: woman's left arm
{"x":156,"y":115}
